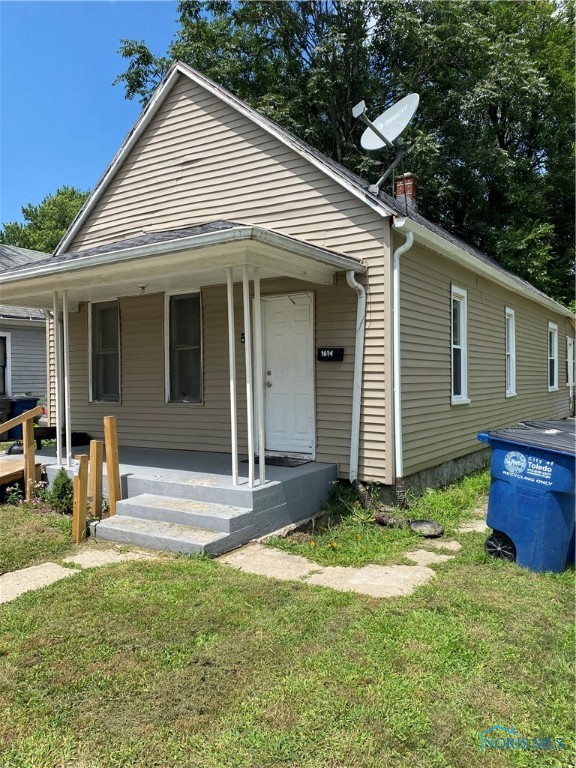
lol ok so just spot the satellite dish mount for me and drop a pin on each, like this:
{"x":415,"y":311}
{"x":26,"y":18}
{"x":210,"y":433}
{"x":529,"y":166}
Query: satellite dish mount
{"x":385,"y":131}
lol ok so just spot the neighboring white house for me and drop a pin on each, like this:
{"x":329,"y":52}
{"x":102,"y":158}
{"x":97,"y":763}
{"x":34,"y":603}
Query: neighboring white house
{"x":22,"y":336}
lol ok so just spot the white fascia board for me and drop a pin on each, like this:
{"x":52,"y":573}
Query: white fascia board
{"x":136,"y":252}
{"x":193,"y":242}
{"x":451,"y":251}
{"x":340,"y":263}
{"x":148,"y":113}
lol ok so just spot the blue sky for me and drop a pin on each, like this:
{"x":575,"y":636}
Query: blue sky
{"x":61,"y":119}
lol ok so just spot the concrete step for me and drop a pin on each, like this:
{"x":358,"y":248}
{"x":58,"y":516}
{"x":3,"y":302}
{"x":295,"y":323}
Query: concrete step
{"x":198,"y":514}
{"x":157,"y":534}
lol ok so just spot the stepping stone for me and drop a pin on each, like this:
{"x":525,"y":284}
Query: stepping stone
{"x":453,"y":546}
{"x":424,"y":557}
{"x":373,"y":580}
{"x":97,"y":558}
{"x":473,"y":526}
{"x":255,"y":558}
{"x":16,"y":583}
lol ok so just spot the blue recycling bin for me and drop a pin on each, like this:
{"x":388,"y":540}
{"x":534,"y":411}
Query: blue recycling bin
{"x":532,"y":494}
{"x":19,"y":406}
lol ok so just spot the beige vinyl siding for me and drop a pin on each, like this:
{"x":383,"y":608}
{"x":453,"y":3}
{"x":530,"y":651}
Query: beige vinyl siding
{"x":241,"y":173}
{"x":145,"y":419}
{"x":434,"y":430}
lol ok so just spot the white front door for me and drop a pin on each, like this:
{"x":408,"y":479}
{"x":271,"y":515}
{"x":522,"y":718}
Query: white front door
{"x":288,"y":330}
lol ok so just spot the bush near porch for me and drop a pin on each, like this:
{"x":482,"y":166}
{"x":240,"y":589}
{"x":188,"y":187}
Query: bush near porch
{"x":184,"y":662}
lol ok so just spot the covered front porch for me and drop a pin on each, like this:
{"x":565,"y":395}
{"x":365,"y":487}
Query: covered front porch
{"x":228,"y":422}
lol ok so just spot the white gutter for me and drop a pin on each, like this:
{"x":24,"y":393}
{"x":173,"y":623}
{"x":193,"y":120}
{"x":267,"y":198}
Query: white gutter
{"x":358,"y":365}
{"x":184,"y":244}
{"x":397,"y":367}
{"x":454,"y":253}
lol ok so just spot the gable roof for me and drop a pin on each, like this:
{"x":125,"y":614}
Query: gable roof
{"x":383,"y":204}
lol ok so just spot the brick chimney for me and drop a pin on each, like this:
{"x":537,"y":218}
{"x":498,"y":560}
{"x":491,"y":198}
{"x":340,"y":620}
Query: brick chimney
{"x":405,"y":191}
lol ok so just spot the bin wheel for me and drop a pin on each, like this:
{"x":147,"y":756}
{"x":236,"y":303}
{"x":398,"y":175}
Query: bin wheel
{"x":500,"y":545}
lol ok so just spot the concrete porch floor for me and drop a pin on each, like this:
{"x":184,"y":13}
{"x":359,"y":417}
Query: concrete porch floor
{"x":190,"y":467}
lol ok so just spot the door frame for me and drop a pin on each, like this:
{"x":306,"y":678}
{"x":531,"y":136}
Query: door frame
{"x":282,"y":294}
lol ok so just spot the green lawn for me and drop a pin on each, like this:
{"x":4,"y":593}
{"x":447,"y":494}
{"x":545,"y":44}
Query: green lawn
{"x":185,"y":662}
{"x":347,"y":535}
{"x":29,"y":537}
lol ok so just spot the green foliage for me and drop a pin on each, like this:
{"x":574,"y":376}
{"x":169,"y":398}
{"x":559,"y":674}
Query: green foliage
{"x":46,"y":223}
{"x":14,"y":494}
{"x":492,"y":141}
{"x":61,"y":493}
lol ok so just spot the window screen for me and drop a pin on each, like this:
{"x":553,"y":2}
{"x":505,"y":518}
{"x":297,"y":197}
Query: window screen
{"x":105,"y":352}
{"x":185,"y":349}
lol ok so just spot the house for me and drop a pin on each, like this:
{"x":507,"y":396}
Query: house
{"x":228,"y":291}
{"x":22,"y":339}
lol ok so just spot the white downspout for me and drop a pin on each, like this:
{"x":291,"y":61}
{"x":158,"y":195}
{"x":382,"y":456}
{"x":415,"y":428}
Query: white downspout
{"x":398,"y":452}
{"x":358,"y":365}
{"x":57,"y":377}
{"x":66,"y":355}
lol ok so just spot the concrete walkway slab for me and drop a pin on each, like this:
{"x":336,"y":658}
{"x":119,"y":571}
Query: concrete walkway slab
{"x":452,"y":546}
{"x":16,"y":583}
{"x":424,"y":557}
{"x":94,"y":558}
{"x":373,"y":580}
{"x":256,"y":558}
{"x":473,"y":526}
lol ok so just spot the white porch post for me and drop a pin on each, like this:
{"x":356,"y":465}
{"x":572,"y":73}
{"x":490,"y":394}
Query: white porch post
{"x":58,"y":377}
{"x":248,"y":358}
{"x":259,"y":376}
{"x":232,"y":364}
{"x":66,"y":355}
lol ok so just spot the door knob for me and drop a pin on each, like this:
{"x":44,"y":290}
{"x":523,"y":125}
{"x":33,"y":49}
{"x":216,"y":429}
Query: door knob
{"x":268,"y":383}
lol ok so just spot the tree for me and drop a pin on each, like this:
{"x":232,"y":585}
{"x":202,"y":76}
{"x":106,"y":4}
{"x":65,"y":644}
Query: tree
{"x":46,"y":223}
{"x":492,"y":140}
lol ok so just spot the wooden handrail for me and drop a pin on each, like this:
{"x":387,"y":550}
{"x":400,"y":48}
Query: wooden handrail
{"x":17,"y":420}
{"x":28,"y":440}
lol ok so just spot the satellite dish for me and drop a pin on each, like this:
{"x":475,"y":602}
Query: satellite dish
{"x":391,"y":123}
{"x":385,"y":130}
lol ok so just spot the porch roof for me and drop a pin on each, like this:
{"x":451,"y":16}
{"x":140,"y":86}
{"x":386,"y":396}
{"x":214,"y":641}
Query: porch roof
{"x":177,"y":259}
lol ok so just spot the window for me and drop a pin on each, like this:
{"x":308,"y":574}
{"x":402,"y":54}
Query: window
{"x":569,"y":361}
{"x":184,"y":346}
{"x":105,"y":352}
{"x":4,"y":364}
{"x":510,"y":353}
{"x":459,"y":346}
{"x":552,"y":357}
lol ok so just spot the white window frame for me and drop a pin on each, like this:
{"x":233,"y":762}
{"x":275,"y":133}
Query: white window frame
{"x":510,"y":351}
{"x":167,"y":297}
{"x":459,"y":295}
{"x":553,"y":357}
{"x":569,"y":361}
{"x":91,"y":399}
{"x":8,"y":372}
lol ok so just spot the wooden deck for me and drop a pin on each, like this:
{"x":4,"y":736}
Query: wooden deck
{"x":12,"y":469}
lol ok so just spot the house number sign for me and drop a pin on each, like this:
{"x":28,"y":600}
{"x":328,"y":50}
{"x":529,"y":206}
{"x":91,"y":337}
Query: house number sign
{"x":330,"y":354}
